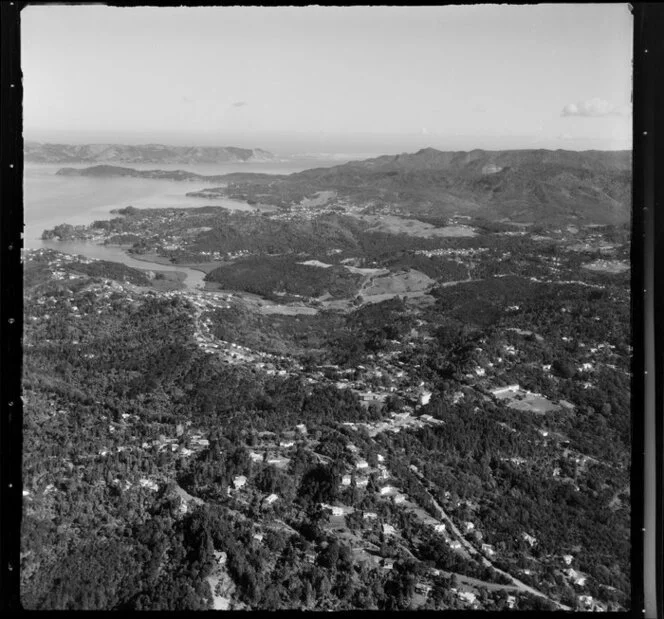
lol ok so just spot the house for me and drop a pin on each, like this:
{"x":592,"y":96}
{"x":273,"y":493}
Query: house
{"x":399,"y":498}
{"x":286,"y":443}
{"x":506,"y":391}
{"x":388,"y":529}
{"x":469,"y":526}
{"x":388,"y":564}
{"x":362,"y":482}
{"x":258,"y":537}
{"x":220,"y":557}
{"x":423,"y":588}
{"x":370,"y":515}
{"x":488,"y":550}
{"x":301,"y":428}
{"x":588,"y":603}
{"x":239,"y":481}
{"x":425,"y":397}
{"x":439,"y":528}
{"x":270,"y":499}
{"x":255,"y":457}
{"x":529,"y":538}
{"x":361,"y":464}
{"x":568,"y":559}
{"x":468,"y":596}
{"x":576,"y":577}
{"x":511,"y":601}
{"x":455,"y":545}
{"x":345,"y":480}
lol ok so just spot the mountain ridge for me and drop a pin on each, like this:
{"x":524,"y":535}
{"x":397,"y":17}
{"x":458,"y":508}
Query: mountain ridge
{"x":41,"y":152}
{"x":522,"y":185}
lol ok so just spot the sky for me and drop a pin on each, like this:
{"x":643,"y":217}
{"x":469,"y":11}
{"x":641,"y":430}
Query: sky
{"x":330,"y":78}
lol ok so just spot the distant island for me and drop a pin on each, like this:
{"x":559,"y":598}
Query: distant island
{"x":104,"y":171}
{"x":37,"y":152}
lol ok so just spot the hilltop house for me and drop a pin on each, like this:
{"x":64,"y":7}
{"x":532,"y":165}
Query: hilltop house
{"x":505,"y":391}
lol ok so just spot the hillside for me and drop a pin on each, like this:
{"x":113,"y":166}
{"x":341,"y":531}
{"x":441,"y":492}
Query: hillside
{"x":105,"y":171}
{"x":36,"y":152}
{"x":552,"y":187}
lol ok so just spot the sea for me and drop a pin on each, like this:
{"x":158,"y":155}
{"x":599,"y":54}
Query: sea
{"x":50,"y":199}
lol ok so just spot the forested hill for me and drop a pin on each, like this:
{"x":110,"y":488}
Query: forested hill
{"x":36,"y":152}
{"x":104,"y":171}
{"x":553,"y":187}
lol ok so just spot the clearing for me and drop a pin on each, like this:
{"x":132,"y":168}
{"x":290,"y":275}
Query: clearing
{"x":607,"y":266}
{"x":391,"y":224}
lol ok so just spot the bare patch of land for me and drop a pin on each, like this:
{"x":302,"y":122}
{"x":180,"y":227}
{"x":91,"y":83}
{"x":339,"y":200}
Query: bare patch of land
{"x":392,"y":224}
{"x":607,"y":266}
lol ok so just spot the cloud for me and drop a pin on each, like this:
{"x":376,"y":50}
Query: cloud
{"x":594,"y":108}
{"x":239,"y":104}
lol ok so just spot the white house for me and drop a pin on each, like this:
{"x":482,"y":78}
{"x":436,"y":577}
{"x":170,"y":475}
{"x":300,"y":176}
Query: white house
{"x":439,"y":528}
{"x":504,"y":391}
{"x":388,"y":529}
{"x":425,"y":397}
{"x":488,"y":549}
{"x":239,"y":481}
{"x":468,"y":596}
{"x":345,"y":480}
{"x":529,"y":538}
{"x":271,"y":499}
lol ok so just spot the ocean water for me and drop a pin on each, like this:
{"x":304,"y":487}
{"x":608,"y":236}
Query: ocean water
{"x":50,"y":199}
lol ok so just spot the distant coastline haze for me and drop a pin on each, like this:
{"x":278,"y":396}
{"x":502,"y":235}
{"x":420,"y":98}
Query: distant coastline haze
{"x":373,"y":80}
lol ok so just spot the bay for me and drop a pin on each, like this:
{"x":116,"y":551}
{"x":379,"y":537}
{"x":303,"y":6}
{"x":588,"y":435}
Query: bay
{"x":50,"y":200}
